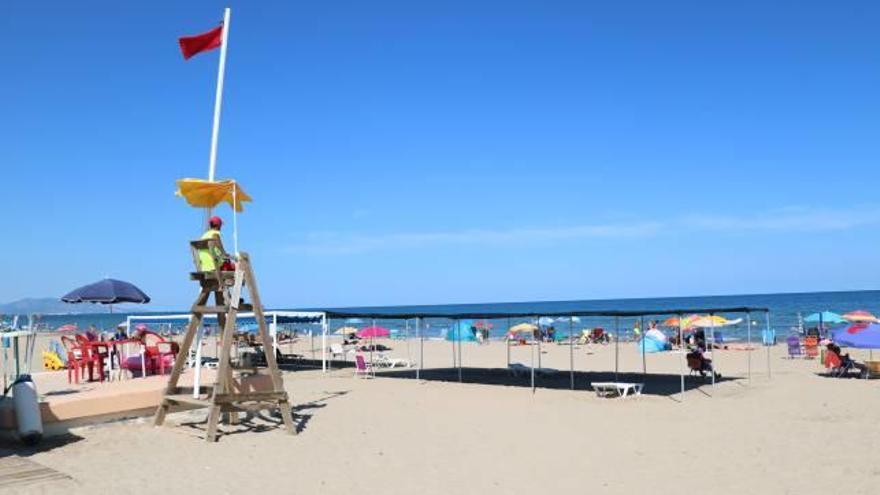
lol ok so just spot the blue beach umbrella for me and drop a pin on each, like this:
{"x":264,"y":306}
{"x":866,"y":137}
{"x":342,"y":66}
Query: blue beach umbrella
{"x":859,"y":335}
{"x":825,"y":317}
{"x":107,"y":291}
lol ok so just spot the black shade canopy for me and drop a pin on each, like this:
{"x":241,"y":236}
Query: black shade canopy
{"x":107,"y":291}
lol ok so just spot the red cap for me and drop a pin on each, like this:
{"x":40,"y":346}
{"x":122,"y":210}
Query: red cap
{"x":215,"y":222}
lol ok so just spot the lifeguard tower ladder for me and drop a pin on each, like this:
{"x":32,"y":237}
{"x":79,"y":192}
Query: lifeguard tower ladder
{"x":228,"y":395}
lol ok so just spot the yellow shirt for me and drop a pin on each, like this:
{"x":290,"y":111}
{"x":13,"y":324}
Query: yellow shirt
{"x":207,"y":259}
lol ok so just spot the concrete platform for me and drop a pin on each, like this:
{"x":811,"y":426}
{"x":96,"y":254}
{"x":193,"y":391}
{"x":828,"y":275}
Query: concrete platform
{"x":64,"y":406}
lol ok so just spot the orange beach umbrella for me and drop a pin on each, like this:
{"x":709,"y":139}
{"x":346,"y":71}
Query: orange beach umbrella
{"x":860,"y":315}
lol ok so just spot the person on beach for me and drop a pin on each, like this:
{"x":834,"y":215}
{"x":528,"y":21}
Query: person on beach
{"x":208,"y":258}
{"x":846,"y":361}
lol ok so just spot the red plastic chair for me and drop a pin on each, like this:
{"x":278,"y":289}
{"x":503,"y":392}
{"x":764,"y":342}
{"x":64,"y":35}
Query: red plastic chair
{"x":811,"y":347}
{"x":164,"y":349}
{"x":80,"y":357}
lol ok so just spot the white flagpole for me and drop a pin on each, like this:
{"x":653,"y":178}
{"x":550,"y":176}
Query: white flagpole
{"x":219,"y":97}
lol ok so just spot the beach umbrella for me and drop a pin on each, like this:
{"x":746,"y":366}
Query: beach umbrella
{"x":202,"y":193}
{"x":860,"y":316}
{"x":825,"y":317}
{"x":545,"y":321}
{"x":862,"y":335}
{"x":676,"y":322}
{"x":712,"y":321}
{"x":346,"y":331}
{"x":70,"y":327}
{"x":107,"y":291}
{"x":373,"y":332}
{"x":528,"y":328}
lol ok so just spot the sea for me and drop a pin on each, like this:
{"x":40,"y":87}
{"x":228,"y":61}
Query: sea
{"x":786,"y":312}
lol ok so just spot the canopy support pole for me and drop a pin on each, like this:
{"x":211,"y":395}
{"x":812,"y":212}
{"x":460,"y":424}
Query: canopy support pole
{"x":571,"y":350}
{"x":769,"y":343}
{"x":642,"y":336}
{"x":458,"y":335}
{"x":749,"y":340}
{"x":421,"y":348}
{"x":323,"y":342}
{"x":681,"y":349}
{"x":616,"y":348}
{"x":507,"y":341}
{"x":712,"y":346}
{"x":532,"y":367}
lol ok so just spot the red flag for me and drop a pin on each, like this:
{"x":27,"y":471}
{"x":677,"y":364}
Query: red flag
{"x":193,"y":45}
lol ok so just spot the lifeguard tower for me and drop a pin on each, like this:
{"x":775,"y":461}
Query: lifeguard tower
{"x":229,"y":394}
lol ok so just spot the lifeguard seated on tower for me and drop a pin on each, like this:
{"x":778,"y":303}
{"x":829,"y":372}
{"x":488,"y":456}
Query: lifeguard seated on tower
{"x":208,"y":258}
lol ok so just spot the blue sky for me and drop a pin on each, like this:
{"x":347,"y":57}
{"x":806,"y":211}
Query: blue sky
{"x":415,"y":152}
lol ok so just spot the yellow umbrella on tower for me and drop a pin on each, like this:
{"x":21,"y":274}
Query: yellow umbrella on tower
{"x":202,"y":193}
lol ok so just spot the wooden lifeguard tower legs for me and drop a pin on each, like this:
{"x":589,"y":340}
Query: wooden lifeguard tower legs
{"x":227,"y":395}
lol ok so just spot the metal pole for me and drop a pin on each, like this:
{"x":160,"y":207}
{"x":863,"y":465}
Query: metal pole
{"x":197,"y":371}
{"x":571,"y":350}
{"x":770,"y":339}
{"x":714,"y":357}
{"x":458,"y":335}
{"x":218,"y":100}
{"x":616,"y":348}
{"x":644,"y":360}
{"x":507,"y":340}
{"x":532,"y":367}
{"x":749,"y":337}
{"x":681,"y":350}
{"x":323,"y":342}
{"x":421,"y":348}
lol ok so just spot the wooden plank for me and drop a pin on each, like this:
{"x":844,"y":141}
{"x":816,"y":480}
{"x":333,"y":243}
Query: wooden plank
{"x":202,"y":309}
{"x":185,"y":346}
{"x":268,"y":343}
{"x":16,"y":472}
{"x":271,"y":396}
{"x":187,"y":399}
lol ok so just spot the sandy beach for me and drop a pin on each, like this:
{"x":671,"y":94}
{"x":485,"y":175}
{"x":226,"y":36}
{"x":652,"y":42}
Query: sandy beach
{"x":793,"y":432}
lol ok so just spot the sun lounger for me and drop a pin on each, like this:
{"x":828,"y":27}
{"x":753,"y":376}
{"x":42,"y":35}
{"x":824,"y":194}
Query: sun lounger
{"x":385,"y":361}
{"x":617,"y":389}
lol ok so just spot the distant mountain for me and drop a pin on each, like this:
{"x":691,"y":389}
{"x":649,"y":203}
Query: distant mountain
{"x":43,"y":305}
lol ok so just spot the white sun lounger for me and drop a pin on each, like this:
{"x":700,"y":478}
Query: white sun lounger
{"x":617,"y":389}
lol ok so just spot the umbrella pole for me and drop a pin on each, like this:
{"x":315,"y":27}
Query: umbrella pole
{"x":681,"y":350}
{"x":371,"y":344}
{"x":571,"y":351}
{"x":749,"y":337}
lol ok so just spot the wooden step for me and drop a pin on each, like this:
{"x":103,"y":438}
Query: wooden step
{"x":221,"y":309}
{"x":187,"y":399}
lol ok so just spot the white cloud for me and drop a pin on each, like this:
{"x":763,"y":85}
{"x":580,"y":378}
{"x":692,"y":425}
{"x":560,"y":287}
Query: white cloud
{"x":792,"y":219}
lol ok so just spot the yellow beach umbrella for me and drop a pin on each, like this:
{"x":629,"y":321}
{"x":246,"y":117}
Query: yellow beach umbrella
{"x":523,"y":328}
{"x":201,"y":193}
{"x":712,"y":321}
{"x":346,"y":331}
